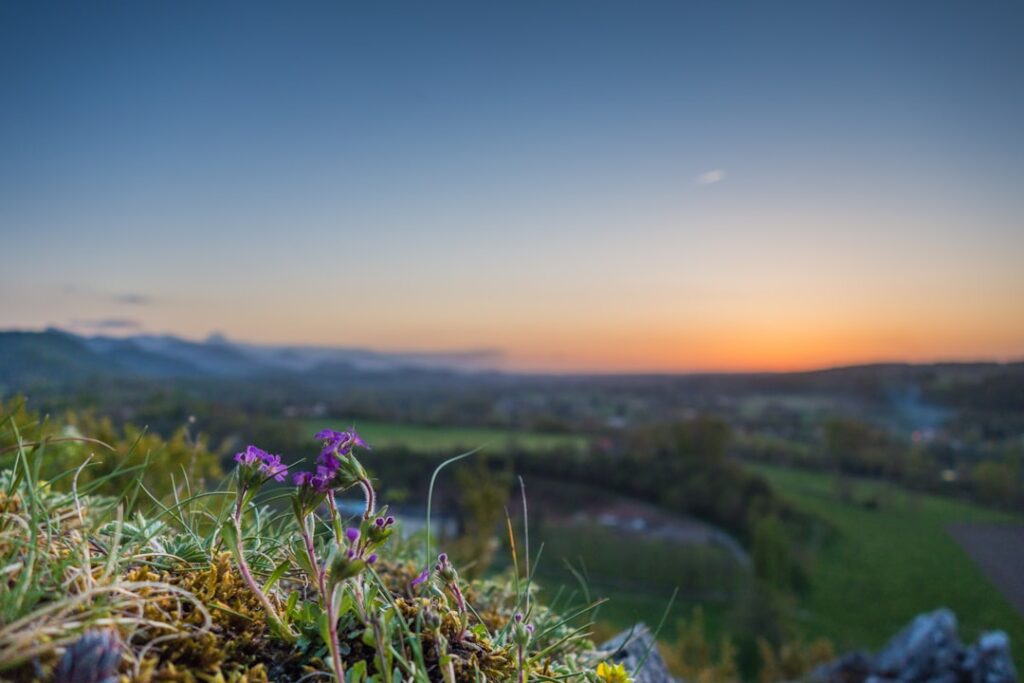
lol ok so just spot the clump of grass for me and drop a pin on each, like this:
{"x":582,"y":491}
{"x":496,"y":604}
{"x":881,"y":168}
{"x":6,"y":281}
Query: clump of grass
{"x":252,"y":582}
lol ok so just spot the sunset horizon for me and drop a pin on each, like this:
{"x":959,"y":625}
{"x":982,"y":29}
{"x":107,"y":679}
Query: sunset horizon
{"x":496,"y":358}
{"x":686,"y":188}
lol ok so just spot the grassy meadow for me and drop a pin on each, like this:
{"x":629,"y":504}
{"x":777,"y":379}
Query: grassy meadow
{"x":638,"y":576}
{"x":890,"y":560}
{"x":421,"y":438}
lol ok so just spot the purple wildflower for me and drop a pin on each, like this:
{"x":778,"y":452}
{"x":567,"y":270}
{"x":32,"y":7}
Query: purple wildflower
{"x":342,"y":442}
{"x":314,"y":482}
{"x":424,"y":575}
{"x":251,"y":456}
{"x":269,"y":465}
{"x":356,"y":439}
{"x":273,"y":467}
{"x":328,"y":460}
{"x":330,"y":435}
{"x":352,"y":534}
{"x":325,"y":473}
{"x":372,"y":559}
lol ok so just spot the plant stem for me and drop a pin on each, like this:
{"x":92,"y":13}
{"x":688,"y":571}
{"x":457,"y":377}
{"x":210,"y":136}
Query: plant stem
{"x":444,"y":661}
{"x":460,"y":602}
{"x":371,"y":499}
{"x":332,"y":628}
{"x":449,"y":667}
{"x":375,"y":625}
{"x":328,"y":599}
{"x":339,"y":533}
{"x":243,"y":568}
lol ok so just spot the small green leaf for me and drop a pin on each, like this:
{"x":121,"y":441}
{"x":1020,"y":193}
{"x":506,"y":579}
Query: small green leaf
{"x":231,"y":538}
{"x":347,"y":604}
{"x":301,"y":558}
{"x":356,"y":673}
{"x":325,"y":632}
{"x":277,"y":574}
{"x":337,"y":596}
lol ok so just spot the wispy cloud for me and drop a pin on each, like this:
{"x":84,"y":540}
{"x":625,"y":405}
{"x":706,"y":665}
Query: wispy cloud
{"x":715,"y":175}
{"x":133,"y":299}
{"x":106,"y":324}
{"x":130,"y":298}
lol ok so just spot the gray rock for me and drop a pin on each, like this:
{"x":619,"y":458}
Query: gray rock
{"x":630,"y":648}
{"x":854,"y":667}
{"x":988,"y":661}
{"x":926,"y":648}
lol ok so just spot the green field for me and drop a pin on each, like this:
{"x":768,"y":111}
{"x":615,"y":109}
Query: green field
{"x":632,"y":600}
{"x":885,"y":565}
{"x":454,"y":439}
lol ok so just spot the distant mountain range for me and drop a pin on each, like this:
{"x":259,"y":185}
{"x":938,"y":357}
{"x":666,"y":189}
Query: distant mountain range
{"x":58,"y":356}
{"x":59,"y":368}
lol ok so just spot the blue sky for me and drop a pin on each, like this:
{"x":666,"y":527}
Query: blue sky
{"x":526,"y":176}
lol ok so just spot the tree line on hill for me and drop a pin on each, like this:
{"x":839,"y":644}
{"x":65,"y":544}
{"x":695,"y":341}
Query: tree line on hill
{"x":849,"y":446}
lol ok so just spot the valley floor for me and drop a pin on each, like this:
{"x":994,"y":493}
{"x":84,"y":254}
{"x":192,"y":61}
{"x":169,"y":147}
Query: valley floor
{"x":890,"y":557}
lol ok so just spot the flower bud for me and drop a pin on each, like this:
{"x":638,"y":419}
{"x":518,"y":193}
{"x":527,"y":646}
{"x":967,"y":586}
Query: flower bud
{"x":380,"y":530}
{"x":344,"y":565}
{"x":445,"y":570}
{"x":521,"y":631}
{"x":431,"y":619}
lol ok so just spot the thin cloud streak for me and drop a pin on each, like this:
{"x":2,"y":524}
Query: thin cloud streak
{"x":711,"y":177}
{"x":106,"y":324}
{"x":129,"y":298}
{"x":133,"y":299}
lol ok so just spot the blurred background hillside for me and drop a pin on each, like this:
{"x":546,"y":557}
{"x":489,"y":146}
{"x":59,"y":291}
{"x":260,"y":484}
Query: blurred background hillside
{"x":786,"y":507}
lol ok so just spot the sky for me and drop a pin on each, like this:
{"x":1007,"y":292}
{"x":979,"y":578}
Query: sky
{"x":582,"y":186}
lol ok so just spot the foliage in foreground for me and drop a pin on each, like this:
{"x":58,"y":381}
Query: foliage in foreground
{"x":250,"y":583}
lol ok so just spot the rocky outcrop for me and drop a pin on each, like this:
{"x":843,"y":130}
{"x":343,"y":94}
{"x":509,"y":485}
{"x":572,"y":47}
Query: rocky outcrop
{"x":635,"y":647}
{"x":928,"y":650}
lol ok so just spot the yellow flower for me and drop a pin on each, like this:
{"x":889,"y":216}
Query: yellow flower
{"x":612,"y":673}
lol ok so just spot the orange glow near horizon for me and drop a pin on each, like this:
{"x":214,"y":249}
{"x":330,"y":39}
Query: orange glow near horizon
{"x":623,"y":345}
{"x":741,"y":351}
{"x":640,"y":339}
{"x":574,"y":191}
{"x":777,"y":318}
